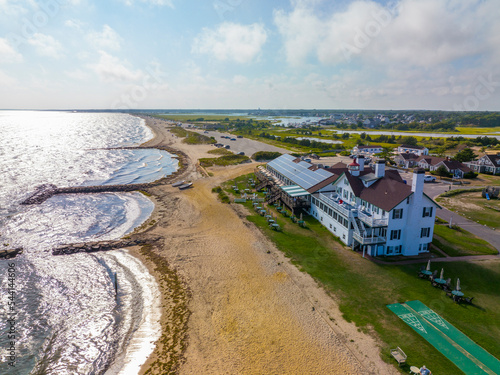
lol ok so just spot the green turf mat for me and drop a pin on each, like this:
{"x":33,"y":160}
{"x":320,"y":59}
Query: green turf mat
{"x":436,"y":338}
{"x":457,"y":336}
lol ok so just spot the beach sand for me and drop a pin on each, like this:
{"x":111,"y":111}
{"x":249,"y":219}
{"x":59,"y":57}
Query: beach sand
{"x":232,"y":303}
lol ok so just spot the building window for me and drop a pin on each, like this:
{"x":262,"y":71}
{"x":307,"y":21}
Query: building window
{"x":390,"y":249}
{"x":382,"y":232}
{"x":397,"y":213}
{"x":343,"y":236}
{"x":330,"y":212}
{"x":423,"y":247}
{"x":334,"y":229}
{"x":397,"y":249}
{"x":330,"y":226}
{"x":396,"y":234}
{"x":425,"y":232}
{"x":427,"y":212}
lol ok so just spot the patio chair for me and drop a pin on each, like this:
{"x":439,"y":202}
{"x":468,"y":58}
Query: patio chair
{"x":433,"y":276}
{"x":469,"y":300}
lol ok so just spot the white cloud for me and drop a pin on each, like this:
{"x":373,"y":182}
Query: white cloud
{"x":112,"y":69}
{"x":74,"y":24}
{"x":13,"y":8}
{"x":77,"y":74}
{"x":168,"y":3}
{"x":6,"y":81}
{"x":240,"y":80}
{"x":105,"y":39}
{"x":46,"y":45}
{"x":416,"y":32}
{"x":231,"y":42}
{"x":7,"y":53}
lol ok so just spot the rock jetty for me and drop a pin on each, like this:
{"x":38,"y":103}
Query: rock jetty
{"x":92,"y":247}
{"x":10,"y":253}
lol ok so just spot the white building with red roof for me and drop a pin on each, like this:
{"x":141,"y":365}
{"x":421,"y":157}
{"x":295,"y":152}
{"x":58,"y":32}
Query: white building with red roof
{"x":372,"y":210}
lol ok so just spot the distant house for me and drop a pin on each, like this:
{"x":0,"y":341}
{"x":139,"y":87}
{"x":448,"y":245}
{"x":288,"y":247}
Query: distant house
{"x":367,"y":150}
{"x":456,"y":168}
{"x":419,"y":150}
{"x":406,"y":160}
{"x":486,"y":164}
{"x":429,"y":162}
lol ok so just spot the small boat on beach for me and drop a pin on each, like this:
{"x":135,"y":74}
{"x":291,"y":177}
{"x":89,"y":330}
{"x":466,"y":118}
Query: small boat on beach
{"x":185,"y":186}
{"x":178,"y":183}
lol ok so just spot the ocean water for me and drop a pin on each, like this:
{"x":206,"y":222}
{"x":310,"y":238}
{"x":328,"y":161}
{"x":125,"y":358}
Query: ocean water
{"x":68,"y":318}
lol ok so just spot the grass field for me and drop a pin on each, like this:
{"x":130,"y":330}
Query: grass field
{"x":192,"y":138}
{"x":456,"y":241}
{"x":474,"y":207}
{"x":478,"y":131}
{"x":224,"y":160}
{"x":193,"y":117}
{"x":363,"y":289}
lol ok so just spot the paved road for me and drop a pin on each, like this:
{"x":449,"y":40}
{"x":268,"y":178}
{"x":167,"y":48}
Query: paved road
{"x":433,"y":189}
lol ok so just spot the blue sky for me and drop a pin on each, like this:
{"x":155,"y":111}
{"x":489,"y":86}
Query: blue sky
{"x":402,"y":54}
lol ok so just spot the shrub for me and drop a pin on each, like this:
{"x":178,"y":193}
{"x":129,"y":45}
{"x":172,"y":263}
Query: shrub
{"x":221,"y":194}
{"x":265,"y":155}
{"x":470,"y":175}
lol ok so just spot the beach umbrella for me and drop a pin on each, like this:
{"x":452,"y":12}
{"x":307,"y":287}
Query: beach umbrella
{"x":458,"y":283}
{"x":428,"y":268}
{"x":442,"y":274}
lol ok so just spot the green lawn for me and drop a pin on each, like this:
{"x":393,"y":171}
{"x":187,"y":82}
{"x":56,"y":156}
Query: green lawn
{"x":363,"y":289}
{"x":456,"y":241}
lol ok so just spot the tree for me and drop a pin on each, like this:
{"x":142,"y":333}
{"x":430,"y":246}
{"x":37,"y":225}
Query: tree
{"x":465,"y":155}
{"x":410,"y":141}
{"x":442,"y":171}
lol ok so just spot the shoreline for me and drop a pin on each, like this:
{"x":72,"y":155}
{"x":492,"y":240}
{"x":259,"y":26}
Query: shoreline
{"x":231,"y":301}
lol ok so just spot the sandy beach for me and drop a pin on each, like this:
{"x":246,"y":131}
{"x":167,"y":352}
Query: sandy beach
{"x":232,"y":303}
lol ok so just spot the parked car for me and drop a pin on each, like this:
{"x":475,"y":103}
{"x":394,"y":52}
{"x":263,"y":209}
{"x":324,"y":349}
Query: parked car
{"x":428,"y":178}
{"x":233,"y":139}
{"x":227,"y":146}
{"x":240,"y":136}
{"x":241,"y":153}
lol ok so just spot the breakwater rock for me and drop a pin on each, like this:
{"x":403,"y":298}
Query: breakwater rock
{"x":44,"y":192}
{"x":10,"y":253}
{"x":91,"y":247}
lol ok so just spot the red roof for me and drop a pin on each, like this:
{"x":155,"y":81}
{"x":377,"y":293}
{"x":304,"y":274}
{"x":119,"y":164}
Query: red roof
{"x":354,"y":164}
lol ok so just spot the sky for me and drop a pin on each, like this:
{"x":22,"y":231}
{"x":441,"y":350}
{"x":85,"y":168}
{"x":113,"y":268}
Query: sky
{"x":249,"y":54}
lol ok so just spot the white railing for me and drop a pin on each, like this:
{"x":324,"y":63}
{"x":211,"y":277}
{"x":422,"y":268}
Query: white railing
{"x":368,"y":240}
{"x":371,"y":221}
{"x":344,"y":209}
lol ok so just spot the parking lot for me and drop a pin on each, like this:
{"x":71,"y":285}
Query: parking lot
{"x":248,"y":146}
